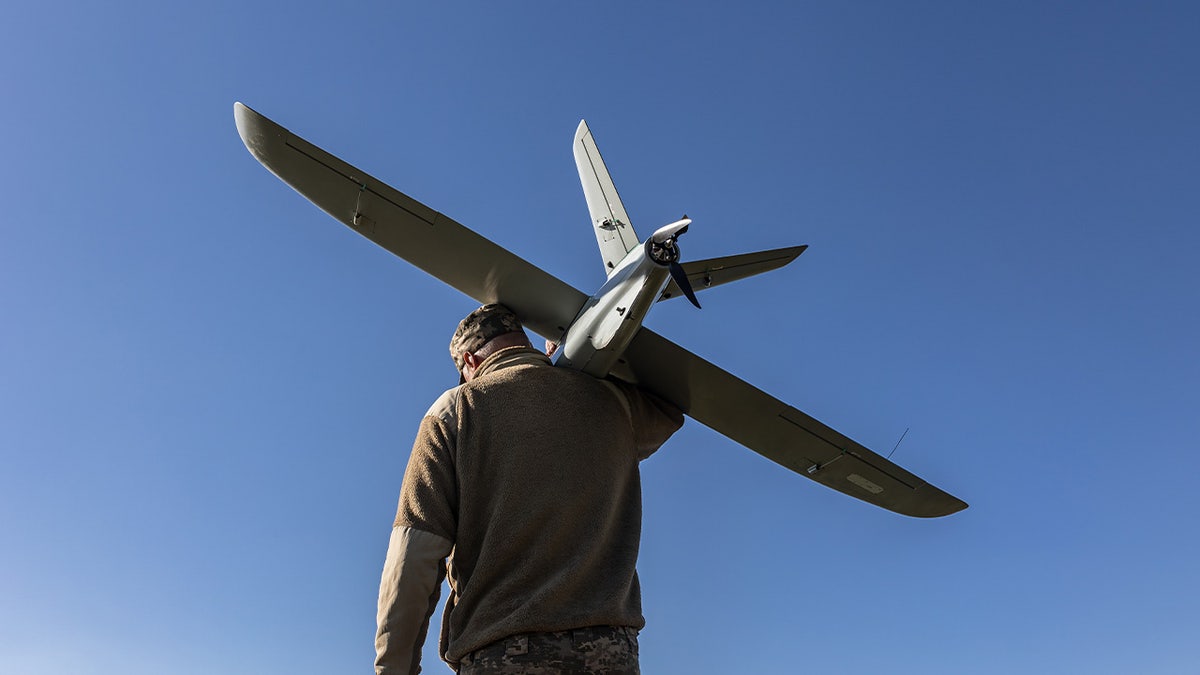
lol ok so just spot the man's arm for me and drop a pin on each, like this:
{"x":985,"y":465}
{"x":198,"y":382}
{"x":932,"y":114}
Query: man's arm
{"x":422,"y":537}
{"x":408,"y":593}
{"x":654,"y":418}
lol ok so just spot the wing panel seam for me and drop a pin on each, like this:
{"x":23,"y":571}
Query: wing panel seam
{"x":363,"y":185}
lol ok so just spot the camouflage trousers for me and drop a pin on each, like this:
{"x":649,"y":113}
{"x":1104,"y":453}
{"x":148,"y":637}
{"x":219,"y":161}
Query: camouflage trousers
{"x":608,"y":650}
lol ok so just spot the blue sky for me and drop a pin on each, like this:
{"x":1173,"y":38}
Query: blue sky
{"x":208,"y":388}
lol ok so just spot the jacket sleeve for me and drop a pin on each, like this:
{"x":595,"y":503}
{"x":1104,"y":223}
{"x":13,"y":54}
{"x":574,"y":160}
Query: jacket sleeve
{"x":654,"y":418}
{"x":422,"y":537}
{"x":408,"y":592}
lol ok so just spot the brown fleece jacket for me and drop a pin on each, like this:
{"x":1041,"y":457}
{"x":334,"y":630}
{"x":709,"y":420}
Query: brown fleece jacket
{"x":531,"y":471}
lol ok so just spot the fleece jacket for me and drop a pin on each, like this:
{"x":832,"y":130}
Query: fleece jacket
{"x":527,"y":478}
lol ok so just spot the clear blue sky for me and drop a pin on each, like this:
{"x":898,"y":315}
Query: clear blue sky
{"x":208,"y":388}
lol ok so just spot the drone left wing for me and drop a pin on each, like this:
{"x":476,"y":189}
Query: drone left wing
{"x":777,"y":431}
{"x":411,"y":230}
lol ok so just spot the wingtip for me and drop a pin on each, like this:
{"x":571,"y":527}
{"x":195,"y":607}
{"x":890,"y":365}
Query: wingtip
{"x":253,"y":128}
{"x":240,"y":110}
{"x":940,"y":508}
{"x":244,"y":117}
{"x":792,"y":252}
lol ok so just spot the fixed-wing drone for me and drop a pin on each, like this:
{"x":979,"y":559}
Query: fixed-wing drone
{"x":602,"y":334}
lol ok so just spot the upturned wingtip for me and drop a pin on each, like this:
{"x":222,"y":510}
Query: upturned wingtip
{"x":254,"y":130}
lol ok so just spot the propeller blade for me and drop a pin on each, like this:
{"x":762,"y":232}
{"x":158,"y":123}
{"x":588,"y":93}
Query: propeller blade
{"x":681,"y":280}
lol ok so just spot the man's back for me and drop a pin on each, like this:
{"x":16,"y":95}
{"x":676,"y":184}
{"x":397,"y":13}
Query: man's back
{"x":532,"y":472}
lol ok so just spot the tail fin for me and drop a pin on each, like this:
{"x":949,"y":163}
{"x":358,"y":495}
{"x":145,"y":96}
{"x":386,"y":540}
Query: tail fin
{"x":614,"y":233}
{"x":704,"y":274}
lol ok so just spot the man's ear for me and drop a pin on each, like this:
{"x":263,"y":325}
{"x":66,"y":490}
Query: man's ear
{"x":471,"y":360}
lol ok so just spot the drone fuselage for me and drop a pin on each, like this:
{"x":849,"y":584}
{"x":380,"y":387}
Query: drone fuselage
{"x":612,"y":316}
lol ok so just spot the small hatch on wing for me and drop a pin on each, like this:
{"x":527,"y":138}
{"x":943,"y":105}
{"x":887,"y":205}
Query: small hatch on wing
{"x":864,"y":483}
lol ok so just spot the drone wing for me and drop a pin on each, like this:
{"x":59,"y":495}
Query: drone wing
{"x":411,"y":230}
{"x":547,"y":305}
{"x":778,"y":431}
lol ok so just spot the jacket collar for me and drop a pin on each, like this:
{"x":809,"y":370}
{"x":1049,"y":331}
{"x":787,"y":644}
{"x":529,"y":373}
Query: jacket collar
{"x":510,"y":357}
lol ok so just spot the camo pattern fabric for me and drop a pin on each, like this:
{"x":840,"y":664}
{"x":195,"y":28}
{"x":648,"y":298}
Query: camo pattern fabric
{"x":479,"y":327}
{"x":607,"y":650}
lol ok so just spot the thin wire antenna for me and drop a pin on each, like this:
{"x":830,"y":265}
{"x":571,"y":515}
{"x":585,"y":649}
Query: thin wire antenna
{"x":898,"y":443}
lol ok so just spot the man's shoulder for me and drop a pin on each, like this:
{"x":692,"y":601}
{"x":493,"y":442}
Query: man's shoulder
{"x":446,"y":406}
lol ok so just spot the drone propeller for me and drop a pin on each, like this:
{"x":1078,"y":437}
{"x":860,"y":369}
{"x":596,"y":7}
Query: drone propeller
{"x":681,"y":280}
{"x":664,"y":250}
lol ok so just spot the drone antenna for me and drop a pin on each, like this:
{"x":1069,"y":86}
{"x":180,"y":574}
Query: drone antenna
{"x":898,"y":443}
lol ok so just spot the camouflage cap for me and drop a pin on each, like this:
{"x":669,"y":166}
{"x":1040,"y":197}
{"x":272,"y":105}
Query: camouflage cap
{"x":479,"y":328}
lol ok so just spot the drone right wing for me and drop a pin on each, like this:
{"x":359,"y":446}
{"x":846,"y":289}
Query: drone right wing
{"x":778,"y":431}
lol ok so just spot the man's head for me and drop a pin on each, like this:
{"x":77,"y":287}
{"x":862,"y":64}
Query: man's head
{"x":481,"y":333}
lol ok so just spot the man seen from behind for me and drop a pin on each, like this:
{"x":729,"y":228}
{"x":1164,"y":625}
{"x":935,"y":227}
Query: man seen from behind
{"x":526,"y":477}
